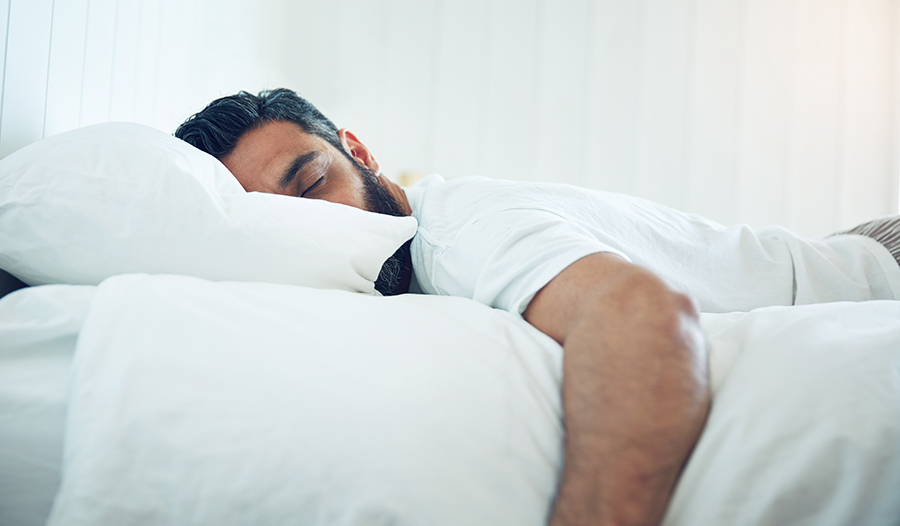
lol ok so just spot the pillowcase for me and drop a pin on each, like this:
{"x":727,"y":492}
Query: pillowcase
{"x":119,"y":198}
{"x":226,"y":403}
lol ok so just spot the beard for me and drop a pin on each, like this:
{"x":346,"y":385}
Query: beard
{"x":396,"y":272}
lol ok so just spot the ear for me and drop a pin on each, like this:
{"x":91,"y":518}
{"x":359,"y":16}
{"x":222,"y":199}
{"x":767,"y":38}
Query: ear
{"x":358,"y":150}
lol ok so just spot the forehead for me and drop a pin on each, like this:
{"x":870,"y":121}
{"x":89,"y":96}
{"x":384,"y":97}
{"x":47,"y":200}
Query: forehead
{"x":263,"y":154}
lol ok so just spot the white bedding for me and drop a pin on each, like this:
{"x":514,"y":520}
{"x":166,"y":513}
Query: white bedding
{"x":38,"y":328}
{"x":194,"y":402}
{"x":243,"y":403}
{"x":805,"y":424}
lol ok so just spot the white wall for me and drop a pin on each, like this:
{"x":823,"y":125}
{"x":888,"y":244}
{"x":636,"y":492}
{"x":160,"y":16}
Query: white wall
{"x":759,"y":111}
{"x":72,"y":63}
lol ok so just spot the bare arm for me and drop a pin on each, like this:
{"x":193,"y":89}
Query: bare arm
{"x":635,"y":388}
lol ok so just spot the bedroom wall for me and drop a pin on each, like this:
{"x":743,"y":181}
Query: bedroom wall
{"x":758,"y":111}
{"x":71,"y":63}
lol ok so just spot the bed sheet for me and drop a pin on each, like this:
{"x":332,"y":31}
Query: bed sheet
{"x":233,"y":403}
{"x":38,"y":330}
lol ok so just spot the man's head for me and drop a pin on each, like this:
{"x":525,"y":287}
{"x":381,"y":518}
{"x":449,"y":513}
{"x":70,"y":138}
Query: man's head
{"x":218,"y":127}
{"x":277,"y":142}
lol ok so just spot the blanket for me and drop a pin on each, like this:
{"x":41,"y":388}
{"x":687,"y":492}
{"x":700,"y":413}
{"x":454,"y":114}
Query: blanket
{"x":194,"y":402}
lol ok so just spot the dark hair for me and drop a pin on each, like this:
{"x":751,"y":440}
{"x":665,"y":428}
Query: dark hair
{"x":217,"y":128}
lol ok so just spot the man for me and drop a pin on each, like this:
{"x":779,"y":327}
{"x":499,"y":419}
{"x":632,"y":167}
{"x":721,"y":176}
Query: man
{"x":583,"y":267}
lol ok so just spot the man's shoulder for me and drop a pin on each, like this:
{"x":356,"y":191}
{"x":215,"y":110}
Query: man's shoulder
{"x":476,"y":194}
{"x":435,"y":195}
{"x":445,"y":209}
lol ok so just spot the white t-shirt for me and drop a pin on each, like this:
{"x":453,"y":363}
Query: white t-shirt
{"x":499,"y":242}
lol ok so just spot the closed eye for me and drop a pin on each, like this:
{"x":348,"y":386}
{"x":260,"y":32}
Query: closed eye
{"x":299,"y":164}
{"x":312,"y":186}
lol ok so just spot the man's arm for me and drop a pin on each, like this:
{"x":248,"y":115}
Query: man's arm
{"x":635,"y":388}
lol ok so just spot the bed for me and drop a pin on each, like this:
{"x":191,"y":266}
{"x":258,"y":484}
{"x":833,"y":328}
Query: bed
{"x":188,"y":353}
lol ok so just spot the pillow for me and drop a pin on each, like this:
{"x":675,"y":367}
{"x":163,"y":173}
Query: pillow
{"x":253,"y":403}
{"x":119,"y":198}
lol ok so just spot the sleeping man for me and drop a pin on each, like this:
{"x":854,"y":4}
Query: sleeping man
{"x":617,"y":281}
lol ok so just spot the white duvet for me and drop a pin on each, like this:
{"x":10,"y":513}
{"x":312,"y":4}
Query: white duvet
{"x":194,"y":402}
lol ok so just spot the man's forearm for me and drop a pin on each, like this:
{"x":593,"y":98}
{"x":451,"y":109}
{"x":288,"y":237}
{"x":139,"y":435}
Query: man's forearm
{"x":635,"y":401}
{"x":635,"y":395}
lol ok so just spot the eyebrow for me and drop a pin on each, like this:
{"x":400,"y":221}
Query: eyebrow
{"x":295,"y":167}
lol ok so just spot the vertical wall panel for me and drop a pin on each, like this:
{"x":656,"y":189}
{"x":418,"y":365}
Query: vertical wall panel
{"x":509,"y":130}
{"x":266,"y":37}
{"x":98,"y":62}
{"x":4,"y":26}
{"x":312,"y":43}
{"x":244,"y":46}
{"x":867,"y":148}
{"x":196,"y":90}
{"x":612,"y":106}
{"x":895,"y":89}
{"x":408,"y":86}
{"x":125,"y":65}
{"x":559,"y":116}
{"x":198,"y":94}
{"x":173,"y":68}
{"x":147,"y":61}
{"x":713,"y":113}
{"x":66,"y":66}
{"x":661,"y":141}
{"x":206,"y":49}
{"x":460,"y":105}
{"x":25,"y":80}
{"x":815,"y":130}
{"x":360,"y":77}
{"x":766,"y":112}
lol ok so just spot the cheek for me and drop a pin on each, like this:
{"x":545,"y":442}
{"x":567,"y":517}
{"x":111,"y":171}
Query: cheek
{"x":347,"y":192}
{"x":347,"y":200}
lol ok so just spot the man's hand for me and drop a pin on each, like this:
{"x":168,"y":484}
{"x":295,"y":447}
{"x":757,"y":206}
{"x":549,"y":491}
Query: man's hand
{"x":635,"y":388}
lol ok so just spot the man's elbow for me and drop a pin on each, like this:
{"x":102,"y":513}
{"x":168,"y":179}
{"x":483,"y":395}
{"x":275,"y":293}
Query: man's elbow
{"x":602,"y":301}
{"x":678,"y":321}
{"x":679,"y":317}
{"x":667,"y":319}
{"x":647,"y":298}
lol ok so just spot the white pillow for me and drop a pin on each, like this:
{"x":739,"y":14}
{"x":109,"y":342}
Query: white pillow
{"x":119,"y":198}
{"x":252,"y":403}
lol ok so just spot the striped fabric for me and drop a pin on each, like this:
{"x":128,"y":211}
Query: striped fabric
{"x":885,"y":230}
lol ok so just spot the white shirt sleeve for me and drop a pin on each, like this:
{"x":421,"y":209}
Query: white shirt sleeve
{"x":502,"y":259}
